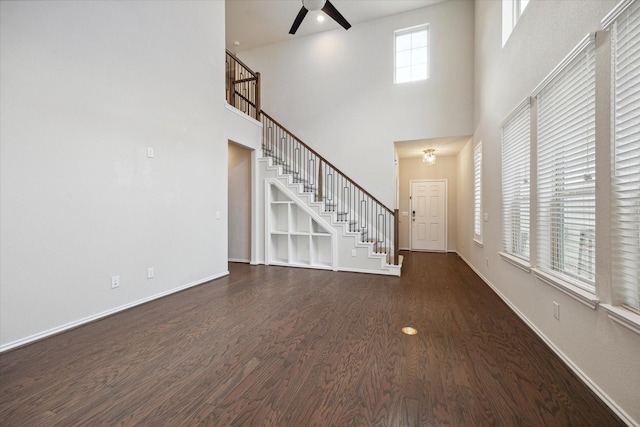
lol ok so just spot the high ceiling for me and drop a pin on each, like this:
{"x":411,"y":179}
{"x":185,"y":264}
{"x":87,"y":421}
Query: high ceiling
{"x":255,"y":23}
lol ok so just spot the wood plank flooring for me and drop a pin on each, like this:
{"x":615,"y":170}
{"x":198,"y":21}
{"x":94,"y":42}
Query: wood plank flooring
{"x":274,"y":346}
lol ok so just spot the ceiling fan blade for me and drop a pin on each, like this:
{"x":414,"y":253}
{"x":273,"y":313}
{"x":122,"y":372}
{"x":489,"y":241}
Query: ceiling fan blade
{"x":298,"y":20}
{"x":330,"y":10}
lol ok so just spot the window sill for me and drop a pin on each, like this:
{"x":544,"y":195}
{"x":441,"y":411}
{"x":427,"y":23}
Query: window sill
{"x":515,"y":261}
{"x":585,"y":297}
{"x":623,"y":317}
{"x":477,"y":242}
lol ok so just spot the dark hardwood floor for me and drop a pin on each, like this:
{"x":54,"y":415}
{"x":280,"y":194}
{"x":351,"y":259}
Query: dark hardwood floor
{"x":274,"y":346}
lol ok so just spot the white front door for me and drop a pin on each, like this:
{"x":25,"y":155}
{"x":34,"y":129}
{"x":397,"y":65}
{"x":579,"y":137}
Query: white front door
{"x":429,"y":215}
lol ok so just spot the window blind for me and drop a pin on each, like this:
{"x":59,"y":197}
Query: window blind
{"x":477,"y":192}
{"x":566,"y":170}
{"x":516,"y":143}
{"x":625,"y":56}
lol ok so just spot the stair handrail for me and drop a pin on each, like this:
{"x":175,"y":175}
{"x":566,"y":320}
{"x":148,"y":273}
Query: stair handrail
{"x":393,"y":213}
{"x":327,"y":162}
{"x":239,"y":74}
{"x":247,"y":99}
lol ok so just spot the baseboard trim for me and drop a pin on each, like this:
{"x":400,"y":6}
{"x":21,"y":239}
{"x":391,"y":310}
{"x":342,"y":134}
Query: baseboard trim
{"x":242,"y":260}
{"x":362,"y":270}
{"x":71,"y":325}
{"x":567,"y":361}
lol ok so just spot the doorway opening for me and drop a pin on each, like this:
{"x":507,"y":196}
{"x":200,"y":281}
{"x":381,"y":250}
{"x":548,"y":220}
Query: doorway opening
{"x":239,"y":203}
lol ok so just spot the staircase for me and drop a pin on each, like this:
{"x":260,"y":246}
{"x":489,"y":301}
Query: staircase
{"x":315,"y":215}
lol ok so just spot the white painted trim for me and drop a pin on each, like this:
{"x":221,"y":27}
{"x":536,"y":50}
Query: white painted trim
{"x":584,"y":43}
{"x":362,"y":270}
{"x":294,"y":265}
{"x":515,"y":261}
{"x":608,"y":20}
{"x":567,"y":361}
{"x":245,"y":261}
{"x":241,"y":114}
{"x":524,"y":103}
{"x":62,"y":328}
{"x":255,"y":218}
{"x":623,"y":317}
{"x":585,"y":297}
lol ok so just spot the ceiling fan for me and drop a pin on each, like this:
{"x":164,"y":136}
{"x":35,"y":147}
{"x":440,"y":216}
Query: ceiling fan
{"x":325,"y":6}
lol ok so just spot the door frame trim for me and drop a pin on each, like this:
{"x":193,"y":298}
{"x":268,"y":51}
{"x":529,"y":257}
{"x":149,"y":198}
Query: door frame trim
{"x":446,"y":213}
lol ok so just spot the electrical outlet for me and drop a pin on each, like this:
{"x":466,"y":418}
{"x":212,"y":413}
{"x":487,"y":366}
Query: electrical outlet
{"x":150,"y":152}
{"x":150,"y":273}
{"x":115,"y":282}
{"x":353,"y":252}
{"x":556,"y":310}
{"x":486,"y":260}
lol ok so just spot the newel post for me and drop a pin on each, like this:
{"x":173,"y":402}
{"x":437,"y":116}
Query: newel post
{"x":258,"y":96}
{"x":396,"y":236}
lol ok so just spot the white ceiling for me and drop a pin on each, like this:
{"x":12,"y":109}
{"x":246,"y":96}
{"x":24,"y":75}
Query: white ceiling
{"x":256,"y":23}
{"x":442,"y":146}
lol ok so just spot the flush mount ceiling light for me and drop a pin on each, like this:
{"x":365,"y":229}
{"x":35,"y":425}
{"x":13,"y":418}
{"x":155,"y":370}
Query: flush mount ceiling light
{"x":428,"y":157}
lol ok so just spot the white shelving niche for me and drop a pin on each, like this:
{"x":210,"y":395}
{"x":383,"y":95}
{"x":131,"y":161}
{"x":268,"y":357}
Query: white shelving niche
{"x":296,"y":235}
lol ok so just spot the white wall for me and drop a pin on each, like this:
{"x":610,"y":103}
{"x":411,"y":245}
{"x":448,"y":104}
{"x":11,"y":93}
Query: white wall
{"x":604,"y":353}
{"x":335,"y":91}
{"x":85,"y":88}
{"x":446,"y":167}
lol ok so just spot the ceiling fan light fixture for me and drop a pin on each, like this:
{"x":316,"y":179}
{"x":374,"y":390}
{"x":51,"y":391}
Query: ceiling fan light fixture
{"x":428,"y":157}
{"x":313,"y":5}
{"x":320,"y":18}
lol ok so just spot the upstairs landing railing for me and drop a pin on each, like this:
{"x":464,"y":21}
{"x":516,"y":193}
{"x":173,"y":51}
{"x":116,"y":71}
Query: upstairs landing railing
{"x":243,"y":86}
{"x":350,"y":203}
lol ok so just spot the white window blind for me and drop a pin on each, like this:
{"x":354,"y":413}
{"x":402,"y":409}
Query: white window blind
{"x":625,"y":55}
{"x":477,"y":193}
{"x":411,"y":54}
{"x":516,"y":144}
{"x":566,"y":169}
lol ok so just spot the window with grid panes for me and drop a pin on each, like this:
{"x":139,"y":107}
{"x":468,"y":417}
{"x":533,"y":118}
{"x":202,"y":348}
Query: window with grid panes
{"x":412,"y":54}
